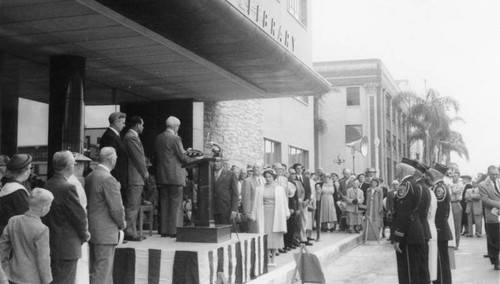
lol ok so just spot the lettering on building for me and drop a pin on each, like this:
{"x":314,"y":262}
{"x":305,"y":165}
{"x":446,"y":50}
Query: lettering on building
{"x":267,"y":22}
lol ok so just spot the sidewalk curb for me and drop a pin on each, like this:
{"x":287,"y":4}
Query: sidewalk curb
{"x":284,"y":274}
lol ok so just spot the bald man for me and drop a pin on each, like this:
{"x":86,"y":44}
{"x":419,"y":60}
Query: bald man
{"x":170,"y":177}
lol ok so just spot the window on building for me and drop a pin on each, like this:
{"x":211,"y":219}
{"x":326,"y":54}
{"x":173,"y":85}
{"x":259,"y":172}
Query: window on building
{"x":389,"y":170}
{"x":388,"y":139}
{"x":400,"y":149}
{"x":352,"y":94}
{"x":388,"y":105}
{"x":405,"y":154}
{"x":399,"y":118}
{"x":298,"y":9}
{"x":394,"y":166}
{"x":394,"y":143}
{"x":353,"y":133}
{"x":297,"y":155}
{"x":272,"y":152}
{"x":394,"y":114}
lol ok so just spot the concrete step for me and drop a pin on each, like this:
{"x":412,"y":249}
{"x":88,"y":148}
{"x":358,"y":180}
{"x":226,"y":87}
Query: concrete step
{"x":328,"y":248}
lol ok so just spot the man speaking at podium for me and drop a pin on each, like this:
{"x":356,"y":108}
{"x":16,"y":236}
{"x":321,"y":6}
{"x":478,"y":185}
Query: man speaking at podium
{"x":170,"y":177}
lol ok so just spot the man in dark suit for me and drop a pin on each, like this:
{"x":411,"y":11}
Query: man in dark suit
{"x":106,"y":216}
{"x":443,"y":197}
{"x":304,"y":202}
{"x":225,"y":194}
{"x":137,"y":174}
{"x":112,"y":138}
{"x":344,"y":185}
{"x":408,"y":236}
{"x":170,"y":177}
{"x":67,"y":220}
{"x":489,"y":190}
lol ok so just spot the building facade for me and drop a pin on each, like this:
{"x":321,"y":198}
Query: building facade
{"x":360,"y":104}
{"x":269,"y":130}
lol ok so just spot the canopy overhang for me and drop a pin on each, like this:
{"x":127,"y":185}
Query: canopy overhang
{"x":144,"y":50}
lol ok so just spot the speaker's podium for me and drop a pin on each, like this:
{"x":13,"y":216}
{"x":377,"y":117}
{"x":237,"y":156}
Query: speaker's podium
{"x":204,"y":229}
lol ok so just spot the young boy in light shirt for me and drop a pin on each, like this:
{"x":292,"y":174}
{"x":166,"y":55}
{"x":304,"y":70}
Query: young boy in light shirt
{"x":26,"y":238}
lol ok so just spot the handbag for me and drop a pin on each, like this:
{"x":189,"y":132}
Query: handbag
{"x":362,"y":207}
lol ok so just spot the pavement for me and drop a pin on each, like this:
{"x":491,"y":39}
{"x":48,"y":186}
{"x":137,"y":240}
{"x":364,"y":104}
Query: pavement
{"x":374,"y":263}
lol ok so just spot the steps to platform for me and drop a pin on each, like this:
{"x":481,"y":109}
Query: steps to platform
{"x":327,"y":249}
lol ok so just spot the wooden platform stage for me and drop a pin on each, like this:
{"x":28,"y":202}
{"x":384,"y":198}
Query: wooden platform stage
{"x":163,"y":260}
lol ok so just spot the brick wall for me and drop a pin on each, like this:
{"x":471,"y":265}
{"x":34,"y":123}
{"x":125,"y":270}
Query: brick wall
{"x":237,"y":127}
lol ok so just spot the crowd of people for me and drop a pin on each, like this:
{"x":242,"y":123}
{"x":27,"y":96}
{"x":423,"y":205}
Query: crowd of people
{"x":71,"y":225}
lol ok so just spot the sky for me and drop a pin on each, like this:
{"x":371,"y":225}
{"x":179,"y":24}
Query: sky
{"x":450,"y":46}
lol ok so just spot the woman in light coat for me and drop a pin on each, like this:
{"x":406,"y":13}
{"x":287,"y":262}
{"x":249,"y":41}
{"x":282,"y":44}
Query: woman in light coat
{"x":271,"y":211}
{"x":374,"y":210}
{"x":354,"y":197}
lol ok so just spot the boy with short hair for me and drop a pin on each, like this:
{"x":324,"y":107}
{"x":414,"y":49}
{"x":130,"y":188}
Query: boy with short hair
{"x":26,"y":238}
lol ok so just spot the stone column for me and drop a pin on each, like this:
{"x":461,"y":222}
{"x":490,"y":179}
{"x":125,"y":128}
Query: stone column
{"x":66,"y":105}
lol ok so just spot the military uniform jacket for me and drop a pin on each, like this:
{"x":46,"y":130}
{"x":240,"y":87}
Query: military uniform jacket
{"x":407,"y":225}
{"x":423,"y":208}
{"x":443,"y":211}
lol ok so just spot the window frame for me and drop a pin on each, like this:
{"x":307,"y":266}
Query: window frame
{"x":358,"y":96}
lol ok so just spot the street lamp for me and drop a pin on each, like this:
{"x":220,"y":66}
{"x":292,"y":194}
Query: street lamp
{"x":339,"y":161}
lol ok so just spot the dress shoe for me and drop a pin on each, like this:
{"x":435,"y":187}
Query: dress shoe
{"x":496,"y":267}
{"x":477,"y":235}
{"x":165,"y":235}
{"x":173,"y":236}
{"x":145,"y":202}
{"x":287,"y":248}
{"x":144,"y":237}
{"x":485,"y":256}
{"x":281,"y":251}
{"x":307,"y":243}
{"x":356,"y":231}
{"x":133,"y":239}
{"x":310,"y":239}
{"x":350,"y":232}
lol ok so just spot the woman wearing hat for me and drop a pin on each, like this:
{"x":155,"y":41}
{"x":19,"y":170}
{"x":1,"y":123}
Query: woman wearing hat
{"x":328,"y":215}
{"x":14,"y":195}
{"x":270,"y":210}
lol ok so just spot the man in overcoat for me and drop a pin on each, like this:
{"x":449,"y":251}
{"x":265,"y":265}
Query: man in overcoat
{"x":67,"y":220}
{"x":106,"y":216}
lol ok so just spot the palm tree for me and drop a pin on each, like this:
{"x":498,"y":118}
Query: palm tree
{"x":429,"y":120}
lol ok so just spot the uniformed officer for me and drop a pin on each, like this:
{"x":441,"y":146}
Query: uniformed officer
{"x":423,"y":209}
{"x":437,"y":172}
{"x":408,"y":232}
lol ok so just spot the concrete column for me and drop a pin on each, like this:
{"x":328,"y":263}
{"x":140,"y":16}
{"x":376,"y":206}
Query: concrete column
{"x":9,"y":101}
{"x":66,"y":105}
